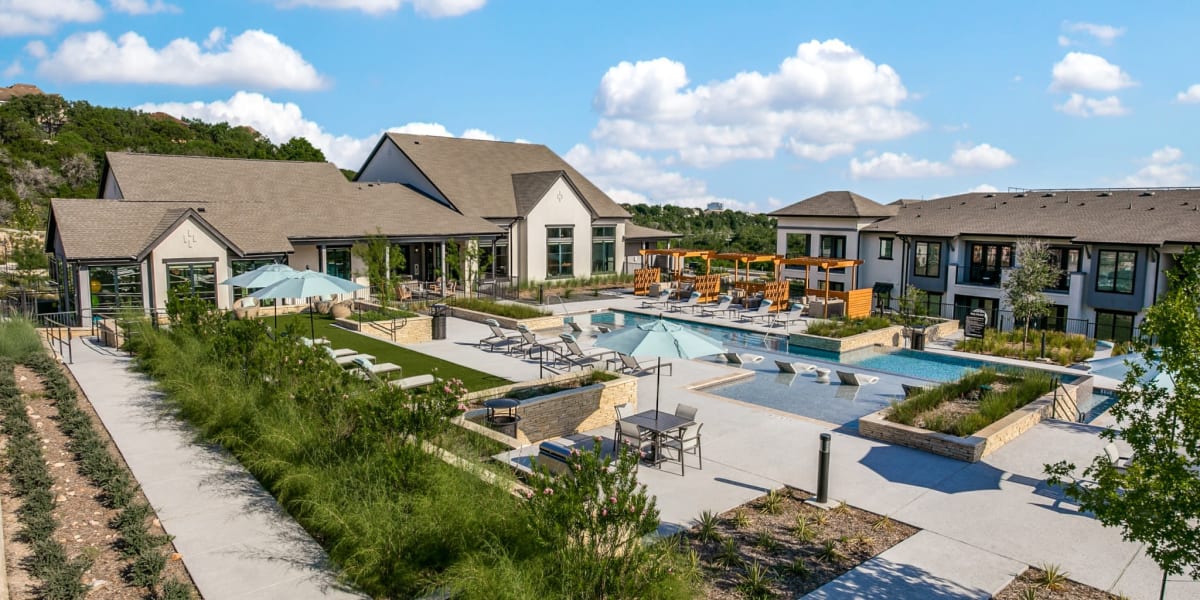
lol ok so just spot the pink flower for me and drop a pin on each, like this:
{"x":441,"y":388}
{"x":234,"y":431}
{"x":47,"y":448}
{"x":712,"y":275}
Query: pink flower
{"x":612,"y":499}
{"x":462,"y":407}
{"x":604,"y":512}
{"x":446,"y":389}
{"x":528,"y":494}
{"x":548,"y":491}
{"x":597,"y":439}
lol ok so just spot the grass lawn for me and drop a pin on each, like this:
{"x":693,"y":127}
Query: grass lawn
{"x":414,"y":363}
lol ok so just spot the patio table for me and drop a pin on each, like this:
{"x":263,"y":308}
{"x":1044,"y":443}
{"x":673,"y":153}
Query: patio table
{"x":660,"y":424}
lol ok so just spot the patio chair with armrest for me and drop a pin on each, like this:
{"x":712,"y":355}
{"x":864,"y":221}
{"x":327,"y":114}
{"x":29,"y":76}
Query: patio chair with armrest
{"x":623,"y":411}
{"x":499,"y":337}
{"x":796,"y":314}
{"x":793,"y":367}
{"x":529,"y":342}
{"x":576,"y":355}
{"x":691,"y":303}
{"x":659,"y":301}
{"x":629,"y":365}
{"x":850,"y":378}
{"x":722,"y":306}
{"x":630,"y":435}
{"x":687,"y":441}
{"x":762,"y":312}
{"x":735,"y":358}
{"x":686,"y":411}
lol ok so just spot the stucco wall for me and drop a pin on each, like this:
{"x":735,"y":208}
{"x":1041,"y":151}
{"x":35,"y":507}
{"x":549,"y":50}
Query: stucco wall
{"x":188,"y":242}
{"x":560,"y":206}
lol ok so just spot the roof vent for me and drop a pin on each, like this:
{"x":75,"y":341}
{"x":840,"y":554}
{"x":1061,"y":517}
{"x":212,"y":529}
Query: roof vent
{"x":417,"y":142}
{"x":1048,"y":195}
{"x":1146,"y":193}
{"x":1184,"y":203}
{"x":1004,"y":202}
{"x":963,"y":203}
{"x":989,"y":195}
{"x":1104,"y":194}
{"x":1021,"y":195}
{"x":199,"y":209}
{"x":1083,"y":203}
{"x":1043,"y":206}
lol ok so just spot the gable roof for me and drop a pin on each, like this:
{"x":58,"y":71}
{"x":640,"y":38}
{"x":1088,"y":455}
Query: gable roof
{"x":476,"y":176}
{"x":840,"y":203}
{"x":530,"y":188}
{"x":1127,"y":216}
{"x":641,"y":232}
{"x":156,"y":177}
{"x":133,"y":229}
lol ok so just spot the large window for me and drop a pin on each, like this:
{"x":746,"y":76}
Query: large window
{"x":885,"y":248}
{"x":560,"y":252}
{"x":1114,"y":326}
{"x":987,"y":262}
{"x":115,"y":286}
{"x":834,"y":286}
{"x":1115,"y":271}
{"x":928,"y":261}
{"x":604,"y":249}
{"x":833,"y":246}
{"x":1066,"y":260}
{"x":243,"y":266}
{"x":337,"y":262}
{"x":798,"y":244}
{"x":185,"y":279}
{"x":498,"y":259}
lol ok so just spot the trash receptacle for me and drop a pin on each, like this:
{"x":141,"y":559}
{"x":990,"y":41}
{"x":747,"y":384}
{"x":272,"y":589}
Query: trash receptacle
{"x":502,"y":415}
{"x":439,"y":312}
{"x":918,"y":339}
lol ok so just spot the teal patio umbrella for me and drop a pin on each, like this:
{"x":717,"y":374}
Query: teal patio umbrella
{"x":1116,"y":367}
{"x":660,"y":339}
{"x":308,"y":285}
{"x":261,"y":278}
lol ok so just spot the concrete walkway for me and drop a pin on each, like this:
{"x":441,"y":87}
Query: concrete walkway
{"x":235,"y":540}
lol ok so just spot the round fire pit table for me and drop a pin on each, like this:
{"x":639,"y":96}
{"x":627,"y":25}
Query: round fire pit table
{"x":502,"y":415}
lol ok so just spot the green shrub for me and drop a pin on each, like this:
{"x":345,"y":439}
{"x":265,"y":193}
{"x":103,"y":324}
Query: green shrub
{"x":1062,"y":348}
{"x":1021,"y":388}
{"x":500,"y":309}
{"x":18,"y":339}
{"x":382,"y":314}
{"x":840,"y":327}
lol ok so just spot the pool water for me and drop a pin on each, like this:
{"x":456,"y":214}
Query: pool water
{"x":922,"y":365}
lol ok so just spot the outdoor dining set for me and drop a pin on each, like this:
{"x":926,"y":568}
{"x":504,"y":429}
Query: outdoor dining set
{"x":659,"y":436}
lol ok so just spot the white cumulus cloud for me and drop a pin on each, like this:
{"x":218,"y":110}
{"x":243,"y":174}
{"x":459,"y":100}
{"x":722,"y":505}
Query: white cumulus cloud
{"x":1163,"y":168}
{"x":890,"y":165}
{"x":41,"y":17}
{"x":819,"y":103}
{"x":13,"y":69}
{"x":983,"y":156}
{"x":282,"y":121}
{"x":253,"y":58}
{"x":143,"y":7}
{"x":1105,"y":34}
{"x":1190,"y":95}
{"x":1080,"y":106}
{"x":984,"y":188}
{"x":633,"y":178}
{"x":429,"y":8}
{"x":1083,"y":71}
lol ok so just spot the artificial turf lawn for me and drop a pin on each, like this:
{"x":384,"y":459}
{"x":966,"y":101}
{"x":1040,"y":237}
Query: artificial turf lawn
{"x":414,"y":363}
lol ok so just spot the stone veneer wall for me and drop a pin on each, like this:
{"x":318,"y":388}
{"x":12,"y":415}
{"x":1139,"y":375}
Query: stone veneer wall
{"x":414,"y":331}
{"x":566,"y":412}
{"x":943,"y":329}
{"x":888,"y":336}
{"x":535,"y":323}
{"x":985,"y":441}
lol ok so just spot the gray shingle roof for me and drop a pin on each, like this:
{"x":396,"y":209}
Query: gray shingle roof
{"x":641,"y":232}
{"x":476,"y":175}
{"x":529,"y":188}
{"x":838,"y":203}
{"x":1115,"y":216}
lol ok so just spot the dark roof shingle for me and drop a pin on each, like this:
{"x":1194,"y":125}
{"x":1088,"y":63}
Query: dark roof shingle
{"x":839,"y":203}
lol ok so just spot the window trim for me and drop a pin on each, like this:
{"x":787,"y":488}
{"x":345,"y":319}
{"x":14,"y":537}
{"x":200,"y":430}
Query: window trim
{"x":891,"y":245}
{"x":925,"y":271}
{"x":821,"y":250}
{"x":608,"y":240}
{"x":1116,"y":269}
{"x":558,"y":241}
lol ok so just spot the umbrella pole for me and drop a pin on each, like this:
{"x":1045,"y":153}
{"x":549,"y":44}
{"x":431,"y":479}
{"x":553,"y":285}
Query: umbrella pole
{"x":276,"y":305}
{"x":312,"y":325}
{"x":657,"y":387}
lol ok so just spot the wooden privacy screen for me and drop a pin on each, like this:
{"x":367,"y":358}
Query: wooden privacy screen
{"x":775,"y":291}
{"x":642,"y":278}
{"x":709,"y":287}
{"x":858,"y":303}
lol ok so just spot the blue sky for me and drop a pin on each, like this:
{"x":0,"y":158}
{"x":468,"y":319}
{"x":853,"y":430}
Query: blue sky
{"x":755,"y":104}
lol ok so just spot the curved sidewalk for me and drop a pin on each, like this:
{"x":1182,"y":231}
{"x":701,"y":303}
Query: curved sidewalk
{"x":235,"y":539}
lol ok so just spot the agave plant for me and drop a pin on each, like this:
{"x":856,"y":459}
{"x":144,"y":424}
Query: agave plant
{"x":708,"y":527}
{"x":756,"y":581}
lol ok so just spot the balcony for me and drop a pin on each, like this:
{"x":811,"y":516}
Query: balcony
{"x":966,"y":275}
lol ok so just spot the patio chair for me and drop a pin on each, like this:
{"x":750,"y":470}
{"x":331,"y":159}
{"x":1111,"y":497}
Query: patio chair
{"x":529,"y":342}
{"x":734,"y":358}
{"x":348,"y":360}
{"x":403,"y":294}
{"x":416,"y":381}
{"x":762,"y":312}
{"x":793,"y":367}
{"x":498,"y":337}
{"x":849,"y":378}
{"x":686,"y":442}
{"x":367,"y":367}
{"x":624,"y":410}
{"x":630,"y":435}
{"x":689,"y":304}
{"x":629,"y":365}
{"x":722,"y":306}
{"x":659,"y":301}
{"x":686,"y":411}
{"x":1120,"y":463}
{"x":574,"y":354}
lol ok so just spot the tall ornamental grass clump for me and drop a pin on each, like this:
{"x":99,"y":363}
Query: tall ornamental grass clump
{"x":18,"y":339}
{"x":1062,"y":348}
{"x":500,"y":309}
{"x":1018,"y":390}
{"x":840,"y":327}
{"x":343,"y":456}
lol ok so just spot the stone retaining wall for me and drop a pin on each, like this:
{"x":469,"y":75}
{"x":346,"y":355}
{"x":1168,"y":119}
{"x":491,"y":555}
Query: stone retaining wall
{"x":413,"y":331}
{"x":888,"y":336}
{"x":535,"y":323}
{"x":566,"y":412}
{"x":985,"y":441}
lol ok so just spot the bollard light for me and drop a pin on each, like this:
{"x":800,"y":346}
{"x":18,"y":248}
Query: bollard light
{"x":823,"y":469}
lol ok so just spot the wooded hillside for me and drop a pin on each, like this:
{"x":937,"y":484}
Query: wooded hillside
{"x":727,"y":230}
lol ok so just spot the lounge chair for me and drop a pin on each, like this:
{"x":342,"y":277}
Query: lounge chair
{"x":625,"y":363}
{"x":366,"y":366}
{"x":796,"y":314}
{"x":603,"y":328}
{"x":529,"y":342}
{"x":722,"y":306}
{"x":498,"y":337}
{"x":659,"y":301}
{"x":793,"y":367}
{"x":307,"y":341}
{"x":416,"y":381}
{"x":691,"y":303}
{"x":1120,"y":463}
{"x":577,"y":356}
{"x":734,"y":358}
{"x":339,"y":352}
{"x":348,"y":359}
{"x":763,"y":311}
{"x":848,"y":378}
{"x":913,"y":390}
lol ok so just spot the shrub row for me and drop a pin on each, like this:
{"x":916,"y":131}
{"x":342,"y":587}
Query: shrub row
{"x":1021,"y":388}
{"x":142,"y":548}
{"x":840,"y":327}
{"x":491,"y":307}
{"x":31,"y":481}
{"x":1062,"y":348}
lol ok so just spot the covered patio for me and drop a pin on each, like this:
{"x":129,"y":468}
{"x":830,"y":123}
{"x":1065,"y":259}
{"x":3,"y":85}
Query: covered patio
{"x":823,"y":302}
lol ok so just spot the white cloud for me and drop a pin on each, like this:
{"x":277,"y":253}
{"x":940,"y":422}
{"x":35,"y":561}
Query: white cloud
{"x":13,"y":69}
{"x":37,"y":49}
{"x":1083,"y":71}
{"x":629,"y":177}
{"x":430,"y":8}
{"x":215,"y":39}
{"x":890,"y":165}
{"x":983,"y":188}
{"x":143,"y":7}
{"x":41,"y":17}
{"x":819,"y":103}
{"x":1163,"y":168}
{"x":1105,"y":34}
{"x":478,"y":134}
{"x":983,"y":156}
{"x":1064,"y":41}
{"x":282,"y":121}
{"x":1079,"y":106}
{"x":253,"y":58}
{"x":1190,"y":95}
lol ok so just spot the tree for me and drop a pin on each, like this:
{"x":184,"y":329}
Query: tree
{"x":299,"y":148}
{"x":1024,"y":290}
{"x":1156,"y":499}
{"x":381,"y":259}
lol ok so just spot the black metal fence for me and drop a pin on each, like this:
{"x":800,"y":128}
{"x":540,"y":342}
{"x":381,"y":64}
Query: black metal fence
{"x":1004,"y":320}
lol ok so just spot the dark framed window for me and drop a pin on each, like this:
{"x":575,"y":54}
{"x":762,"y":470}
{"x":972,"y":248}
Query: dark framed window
{"x":928,"y":259}
{"x":560,"y":252}
{"x":798,"y":244}
{"x":833,"y":246}
{"x":987,"y":262}
{"x":604,"y":249}
{"x":1066,"y":259}
{"x":490,"y":259}
{"x":337,"y":262}
{"x":933,"y":304}
{"x":242,"y":266}
{"x":834,"y":286}
{"x":886,"y":245}
{"x":1115,"y":271}
{"x":1114,"y":326}
{"x":115,"y":286}
{"x":200,"y":279}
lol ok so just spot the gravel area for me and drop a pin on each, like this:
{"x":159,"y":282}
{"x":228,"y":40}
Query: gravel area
{"x":1035,"y":579}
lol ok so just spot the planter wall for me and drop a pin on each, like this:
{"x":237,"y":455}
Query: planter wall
{"x":566,"y":412}
{"x":411,"y":330}
{"x":888,"y":336}
{"x":985,"y":441}
{"x":535,"y":323}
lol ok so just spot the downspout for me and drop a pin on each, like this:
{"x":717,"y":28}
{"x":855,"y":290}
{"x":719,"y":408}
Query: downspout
{"x":513,"y":249}
{"x":1157,"y":270}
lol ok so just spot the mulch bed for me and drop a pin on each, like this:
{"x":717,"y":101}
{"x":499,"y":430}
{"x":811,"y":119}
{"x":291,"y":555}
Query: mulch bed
{"x":1034,"y":579}
{"x":83,"y":519}
{"x":836,"y":541}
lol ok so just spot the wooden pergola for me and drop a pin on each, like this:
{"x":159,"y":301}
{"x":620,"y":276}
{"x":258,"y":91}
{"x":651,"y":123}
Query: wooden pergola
{"x":746,"y":257}
{"x":677,"y":255}
{"x":856,"y":300}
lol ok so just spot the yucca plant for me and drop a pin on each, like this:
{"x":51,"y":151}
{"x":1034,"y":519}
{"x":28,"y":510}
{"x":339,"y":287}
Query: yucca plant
{"x":1053,"y":577}
{"x":756,"y":581}
{"x":803,"y":530}
{"x":772,"y":503}
{"x":729,"y":555}
{"x":798,"y":568}
{"x":740,"y":519}
{"x":708,"y":527}
{"x":830,"y":553}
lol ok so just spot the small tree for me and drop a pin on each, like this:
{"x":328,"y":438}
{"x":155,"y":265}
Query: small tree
{"x":380,"y":258}
{"x":1156,"y":499}
{"x":1024,"y":290}
{"x":913,"y":305}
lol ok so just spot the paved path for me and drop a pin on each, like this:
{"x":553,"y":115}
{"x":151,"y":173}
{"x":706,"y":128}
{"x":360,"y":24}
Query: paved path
{"x":235,"y":540}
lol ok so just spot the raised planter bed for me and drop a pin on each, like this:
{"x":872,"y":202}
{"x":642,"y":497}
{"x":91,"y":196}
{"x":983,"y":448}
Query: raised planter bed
{"x":563,"y":412}
{"x":892,"y":336}
{"x":974,"y":447}
{"x":403,"y":330}
{"x":534,"y":323}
